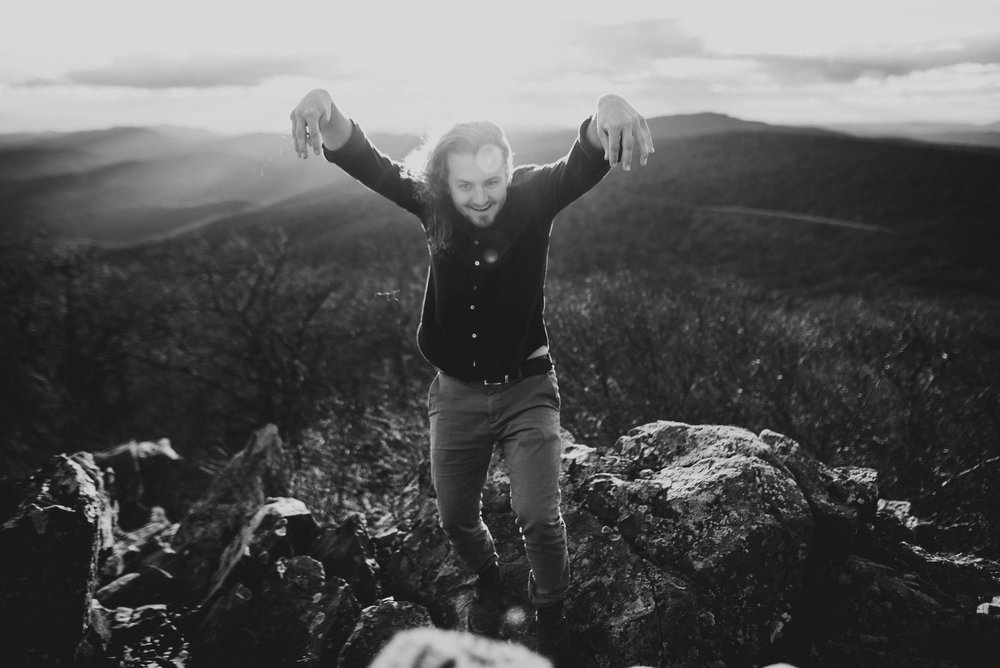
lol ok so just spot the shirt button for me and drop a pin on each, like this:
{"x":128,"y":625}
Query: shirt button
{"x":472,"y":307}
{"x":476,"y":242}
{"x":477,"y":263}
{"x":475,"y":336}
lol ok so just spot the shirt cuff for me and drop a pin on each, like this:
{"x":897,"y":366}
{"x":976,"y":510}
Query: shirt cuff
{"x":350,"y":147}
{"x":588,"y":148}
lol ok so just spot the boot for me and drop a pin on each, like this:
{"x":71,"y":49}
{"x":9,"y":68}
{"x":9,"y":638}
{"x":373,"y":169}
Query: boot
{"x":552,"y":631}
{"x":487,"y":612}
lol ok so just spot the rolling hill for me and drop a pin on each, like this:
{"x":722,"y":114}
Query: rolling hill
{"x":717,"y":188}
{"x":115,"y":186}
{"x":959,"y":134}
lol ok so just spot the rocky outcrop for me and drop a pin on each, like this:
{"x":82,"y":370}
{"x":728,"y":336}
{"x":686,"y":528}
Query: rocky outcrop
{"x":142,"y":472}
{"x":145,"y":635}
{"x":706,"y":545}
{"x":434,"y":647}
{"x":50,"y":554}
{"x":253,"y":475}
{"x":704,"y":504}
{"x":691,"y":546}
{"x":963,"y":513}
{"x":375,"y":628}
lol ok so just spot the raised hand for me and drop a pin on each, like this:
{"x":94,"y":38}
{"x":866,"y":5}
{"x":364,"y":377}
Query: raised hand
{"x":621,"y":130}
{"x":315,"y":121}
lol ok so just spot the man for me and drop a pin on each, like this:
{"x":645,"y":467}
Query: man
{"x":482,"y":327}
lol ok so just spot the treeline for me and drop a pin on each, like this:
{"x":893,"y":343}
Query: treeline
{"x":201,"y":340}
{"x":904,"y":386}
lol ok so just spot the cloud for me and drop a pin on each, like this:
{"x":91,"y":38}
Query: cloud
{"x":625,"y":47}
{"x":641,"y":49}
{"x":980,"y":50}
{"x":158,"y":73}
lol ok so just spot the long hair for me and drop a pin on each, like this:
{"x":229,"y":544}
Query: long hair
{"x":428,"y":164}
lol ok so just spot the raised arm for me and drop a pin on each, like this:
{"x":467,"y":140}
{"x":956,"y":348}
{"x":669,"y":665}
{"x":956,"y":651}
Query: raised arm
{"x":316,"y":121}
{"x":620,"y":130}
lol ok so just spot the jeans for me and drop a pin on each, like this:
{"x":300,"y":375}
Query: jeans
{"x":467,"y":420}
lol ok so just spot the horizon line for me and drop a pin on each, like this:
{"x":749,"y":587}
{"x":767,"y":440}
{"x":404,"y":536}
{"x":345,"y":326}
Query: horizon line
{"x":375,"y":129}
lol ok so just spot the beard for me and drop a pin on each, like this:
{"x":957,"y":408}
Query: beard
{"x":480,"y":216}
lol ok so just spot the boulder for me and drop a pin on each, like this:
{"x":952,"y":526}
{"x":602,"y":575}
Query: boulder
{"x":259,"y":471}
{"x":376,"y":627}
{"x":270,"y":603}
{"x":142,"y":636}
{"x":842,"y":501}
{"x":963,"y":513}
{"x":291,"y":616}
{"x":347,"y":552}
{"x":142,"y":471}
{"x":147,"y":546}
{"x":892,"y":603}
{"x":281,"y":527}
{"x":437,"y":647}
{"x":51,"y":550}
{"x":707,"y":505}
{"x":149,"y":585}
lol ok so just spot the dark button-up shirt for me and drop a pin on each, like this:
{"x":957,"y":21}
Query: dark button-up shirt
{"x":484,"y":301}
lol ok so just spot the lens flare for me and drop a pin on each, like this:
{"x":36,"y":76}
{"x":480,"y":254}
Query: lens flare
{"x":489,"y":158}
{"x":516,"y":617}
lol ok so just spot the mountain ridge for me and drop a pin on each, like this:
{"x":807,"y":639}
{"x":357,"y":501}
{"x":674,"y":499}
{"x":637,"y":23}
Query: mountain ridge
{"x":733,"y":172}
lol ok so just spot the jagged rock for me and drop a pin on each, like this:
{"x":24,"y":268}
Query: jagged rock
{"x":134,"y":637}
{"x":963,"y":514}
{"x":890,"y":612}
{"x":289,"y":618}
{"x":51,"y":550}
{"x":423,"y":568}
{"x":892,"y":603}
{"x":142,"y":469}
{"x":707,"y":504}
{"x":989,"y":607}
{"x":347,"y":551}
{"x":376,"y":627}
{"x":147,"y":546}
{"x":259,"y":471}
{"x":151,"y":585}
{"x":436,"y":647}
{"x":878,"y":599}
{"x":842,"y":501}
{"x":269,"y":603}
{"x":281,"y":527}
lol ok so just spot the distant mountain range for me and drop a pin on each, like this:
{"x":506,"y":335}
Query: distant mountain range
{"x":939,"y":133}
{"x":135,"y":185}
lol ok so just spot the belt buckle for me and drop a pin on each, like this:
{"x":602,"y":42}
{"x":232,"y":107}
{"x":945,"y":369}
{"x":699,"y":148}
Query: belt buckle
{"x":506,"y":379}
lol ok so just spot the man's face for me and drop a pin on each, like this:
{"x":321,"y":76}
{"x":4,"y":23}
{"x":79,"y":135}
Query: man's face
{"x":478,"y":184}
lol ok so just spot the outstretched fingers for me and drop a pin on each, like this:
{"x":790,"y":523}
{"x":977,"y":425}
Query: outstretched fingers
{"x":623,"y":132}
{"x":298,"y":133}
{"x":612,"y":149}
{"x":645,"y":140}
{"x":628,"y":145}
{"x":313,"y":136}
{"x":314,"y":109}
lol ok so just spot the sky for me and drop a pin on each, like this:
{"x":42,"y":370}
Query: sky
{"x":241,"y":66}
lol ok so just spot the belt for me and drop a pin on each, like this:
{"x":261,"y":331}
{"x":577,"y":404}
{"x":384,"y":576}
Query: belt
{"x":536,"y":366}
